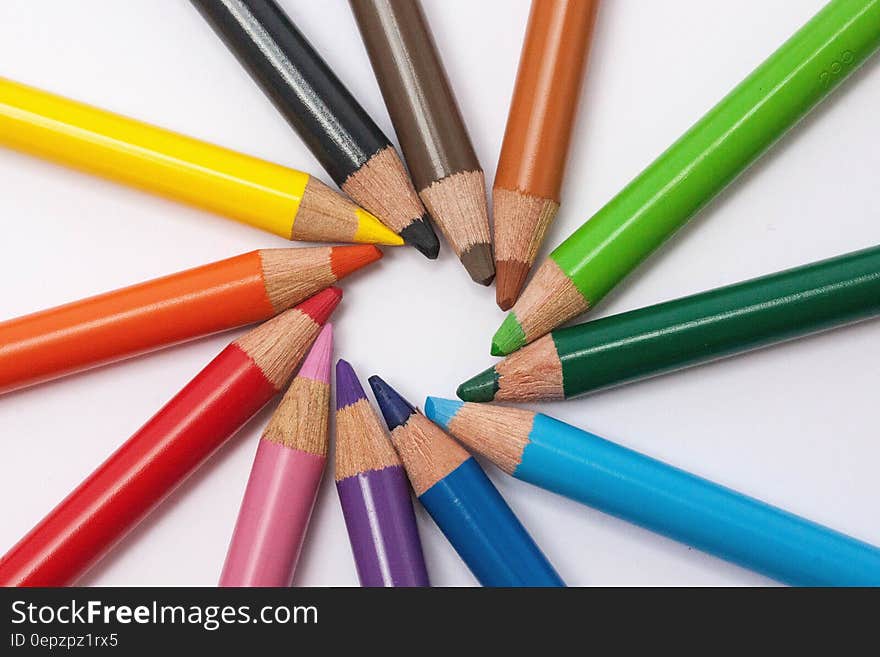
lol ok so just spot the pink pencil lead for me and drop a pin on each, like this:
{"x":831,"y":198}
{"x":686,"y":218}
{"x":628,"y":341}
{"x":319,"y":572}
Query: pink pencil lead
{"x":317,"y":364}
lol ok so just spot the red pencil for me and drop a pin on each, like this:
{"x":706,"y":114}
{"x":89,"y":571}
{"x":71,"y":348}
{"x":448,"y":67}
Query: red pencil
{"x":167,"y":449}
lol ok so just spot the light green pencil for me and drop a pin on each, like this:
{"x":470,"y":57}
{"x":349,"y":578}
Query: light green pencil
{"x":597,"y":256}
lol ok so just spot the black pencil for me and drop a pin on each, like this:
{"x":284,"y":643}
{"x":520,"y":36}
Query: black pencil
{"x":337,"y":130}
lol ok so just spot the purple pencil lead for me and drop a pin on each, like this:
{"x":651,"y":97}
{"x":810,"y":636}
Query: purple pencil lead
{"x":348,"y":387}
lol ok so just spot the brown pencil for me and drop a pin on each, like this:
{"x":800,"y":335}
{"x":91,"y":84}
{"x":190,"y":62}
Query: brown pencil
{"x":526,"y":192}
{"x":432,"y":134}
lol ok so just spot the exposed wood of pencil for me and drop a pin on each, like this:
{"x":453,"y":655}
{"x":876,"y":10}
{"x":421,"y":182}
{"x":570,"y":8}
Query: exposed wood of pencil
{"x":334,"y":126}
{"x":382,"y":186}
{"x":324,"y":215}
{"x":531,"y":168}
{"x":435,"y":142}
{"x":169,"y":310}
{"x":534,"y":372}
{"x":272,"y":197}
{"x":123,"y":490}
{"x":361,"y":442}
{"x":458,"y":204}
{"x":300,"y":421}
{"x":521,"y":222}
{"x":327,"y":216}
{"x":277,"y":346}
{"x":499,"y":433}
{"x":291,"y":275}
{"x":428,"y":454}
{"x":550,"y":299}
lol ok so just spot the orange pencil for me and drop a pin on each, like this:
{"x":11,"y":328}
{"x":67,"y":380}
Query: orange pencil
{"x":222,"y":295}
{"x":526,"y":192}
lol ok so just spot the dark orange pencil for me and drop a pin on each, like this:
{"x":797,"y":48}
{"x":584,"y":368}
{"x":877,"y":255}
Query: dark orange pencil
{"x":526,"y":193}
{"x":189,"y":304}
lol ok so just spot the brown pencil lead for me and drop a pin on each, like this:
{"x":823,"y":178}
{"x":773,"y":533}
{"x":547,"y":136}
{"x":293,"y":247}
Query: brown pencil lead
{"x":521,"y":222}
{"x":458,"y":205}
{"x":511,"y":277}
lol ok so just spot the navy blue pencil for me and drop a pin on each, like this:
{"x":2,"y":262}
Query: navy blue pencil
{"x":462,"y":501}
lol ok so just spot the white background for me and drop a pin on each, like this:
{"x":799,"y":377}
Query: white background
{"x":794,"y":425}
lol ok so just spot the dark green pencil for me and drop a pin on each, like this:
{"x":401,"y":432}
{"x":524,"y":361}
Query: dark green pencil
{"x":687,"y":331}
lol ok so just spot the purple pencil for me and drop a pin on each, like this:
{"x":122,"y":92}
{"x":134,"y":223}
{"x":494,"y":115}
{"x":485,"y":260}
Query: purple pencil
{"x":374,"y":491}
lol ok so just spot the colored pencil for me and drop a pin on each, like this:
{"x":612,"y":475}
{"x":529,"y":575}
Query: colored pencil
{"x":374,"y":492}
{"x":462,"y":501}
{"x":432,"y":133}
{"x":284,"y":479}
{"x":215,"y":297}
{"x":577,"y":464}
{"x":688,"y":331}
{"x":732,"y":135}
{"x":528,"y":182}
{"x":166,"y":450}
{"x":276,"y":199}
{"x":334,"y":126}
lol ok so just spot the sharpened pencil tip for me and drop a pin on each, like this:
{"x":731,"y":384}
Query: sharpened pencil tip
{"x":316,"y":366}
{"x":347,"y":259}
{"x":348,"y":388}
{"x":372,"y":231}
{"x":321,"y":305}
{"x":395,"y":409}
{"x":441,"y":410}
{"x":509,"y":283}
{"x":420,"y":234}
{"x":509,"y":337}
{"x":479,"y":263}
{"x":481,"y":388}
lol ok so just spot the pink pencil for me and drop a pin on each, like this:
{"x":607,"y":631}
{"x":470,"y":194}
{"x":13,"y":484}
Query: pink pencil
{"x":284,"y":479}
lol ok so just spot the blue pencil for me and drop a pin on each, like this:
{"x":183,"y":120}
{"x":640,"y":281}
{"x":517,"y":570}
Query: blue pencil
{"x":462,"y":501}
{"x":577,"y":464}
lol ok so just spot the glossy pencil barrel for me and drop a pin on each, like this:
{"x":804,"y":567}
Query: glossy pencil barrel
{"x":381,"y":527}
{"x":132,"y":320}
{"x":687,"y":331}
{"x":284,"y":479}
{"x":274,"y":517}
{"x":469,"y":510}
{"x":140,"y":474}
{"x":416,"y":89}
{"x":719,"y":323}
{"x":722,"y":144}
{"x":546,"y":97}
{"x":485,"y":532}
{"x":697,"y":512}
{"x":429,"y":125}
{"x":527,"y":189}
{"x":374,"y":492}
{"x":251,"y":190}
{"x":337,"y":130}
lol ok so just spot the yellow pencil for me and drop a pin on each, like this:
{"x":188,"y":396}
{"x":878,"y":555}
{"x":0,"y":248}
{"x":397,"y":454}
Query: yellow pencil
{"x":277,"y":199}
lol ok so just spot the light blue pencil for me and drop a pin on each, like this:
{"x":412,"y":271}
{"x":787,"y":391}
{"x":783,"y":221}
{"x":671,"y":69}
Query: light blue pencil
{"x":580,"y":465}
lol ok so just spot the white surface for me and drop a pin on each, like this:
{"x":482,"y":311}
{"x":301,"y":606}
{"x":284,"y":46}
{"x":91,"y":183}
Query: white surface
{"x":793,"y":425}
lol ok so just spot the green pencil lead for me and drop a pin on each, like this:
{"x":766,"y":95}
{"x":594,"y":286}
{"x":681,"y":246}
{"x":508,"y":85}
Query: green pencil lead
{"x":509,"y":337}
{"x":481,"y":388}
